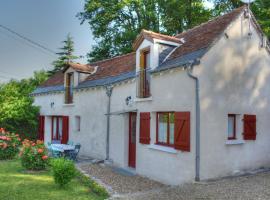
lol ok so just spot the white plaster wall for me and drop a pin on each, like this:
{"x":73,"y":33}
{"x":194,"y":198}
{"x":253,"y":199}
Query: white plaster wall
{"x":91,"y":106}
{"x":232,"y":81}
{"x":153,"y":54}
{"x":235,"y":78}
{"x":171,"y":91}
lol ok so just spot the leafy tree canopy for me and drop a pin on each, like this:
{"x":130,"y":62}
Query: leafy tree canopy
{"x":17,"y":114}
{"x":65,"y":55}
{"x":260,"y":8}
{"x":116,"y":23}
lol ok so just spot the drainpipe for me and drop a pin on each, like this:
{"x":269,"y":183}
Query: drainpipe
{"x":197,"y":100}
{"x":109,"y":89}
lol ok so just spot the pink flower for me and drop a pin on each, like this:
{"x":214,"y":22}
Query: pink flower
{"x":40,"y":150}
{"x":44,"y":157}
{"x":5,"y":145}
{"x":3,"y":137}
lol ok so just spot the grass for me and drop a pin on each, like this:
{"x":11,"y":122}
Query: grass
{"x":18,"y":184}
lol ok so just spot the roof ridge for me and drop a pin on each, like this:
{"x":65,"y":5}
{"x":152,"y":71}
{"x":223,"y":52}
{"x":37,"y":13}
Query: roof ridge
{"x":107,"y":59}
{"x":211,"y":20}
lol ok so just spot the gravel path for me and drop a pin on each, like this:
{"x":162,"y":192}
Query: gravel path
{"x":118,"y":183}
{"x":251,"y":187}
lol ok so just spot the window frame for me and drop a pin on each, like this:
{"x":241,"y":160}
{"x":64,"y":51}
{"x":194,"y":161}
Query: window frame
{"x":168,"y":144}
{"x":78,"y":123}
{"x":145,"y":53}
{"x":143,"y":90}
{"x":57,"y":128}
{"x":69,"y":88}
{"x":234,"y":127}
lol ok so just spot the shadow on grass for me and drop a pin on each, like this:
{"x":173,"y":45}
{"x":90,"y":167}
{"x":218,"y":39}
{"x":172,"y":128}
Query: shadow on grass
{"x":24,"y":186}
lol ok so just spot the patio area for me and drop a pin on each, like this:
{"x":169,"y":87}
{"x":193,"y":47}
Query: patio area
{"x":123,"y":184}
{"x":119,"y":182}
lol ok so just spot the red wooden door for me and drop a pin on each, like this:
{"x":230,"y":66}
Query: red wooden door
{"x":41,"y":127}
{"x":132,"y":140}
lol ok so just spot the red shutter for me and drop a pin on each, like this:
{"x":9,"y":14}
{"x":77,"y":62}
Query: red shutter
{"x":145,"y":128}
{"x":182,"y":131}
{"x":249,"y":127}
{"x":41,"y":127}
{"x":65,"y":130}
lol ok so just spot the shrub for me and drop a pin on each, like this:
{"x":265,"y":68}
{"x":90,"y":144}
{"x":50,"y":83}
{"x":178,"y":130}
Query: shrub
{"x":34,"y":155}
{"x":9,"y":144}
{"x":63,"y":171}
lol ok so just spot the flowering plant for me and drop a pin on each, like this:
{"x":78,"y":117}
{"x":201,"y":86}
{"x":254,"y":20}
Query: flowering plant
{"x":9,"y":144}
{"x":34,"y":155}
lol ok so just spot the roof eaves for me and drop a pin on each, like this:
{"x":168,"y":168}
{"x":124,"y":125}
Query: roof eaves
{"x":181,"y":61}
{"x":49,"y":89}
{"x":107,"y":81}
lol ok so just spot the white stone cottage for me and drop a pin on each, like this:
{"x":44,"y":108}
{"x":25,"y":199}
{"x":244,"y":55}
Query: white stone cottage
{"x":191,"y":106}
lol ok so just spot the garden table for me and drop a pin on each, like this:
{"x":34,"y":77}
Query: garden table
{"x":62,"y":147}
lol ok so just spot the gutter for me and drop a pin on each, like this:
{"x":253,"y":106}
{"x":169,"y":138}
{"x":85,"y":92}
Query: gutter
{"x":197,"y":100}
{"x":109,"y":89}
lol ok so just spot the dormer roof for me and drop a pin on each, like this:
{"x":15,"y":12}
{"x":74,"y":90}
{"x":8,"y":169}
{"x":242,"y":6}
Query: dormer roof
{"x":83,"y":68}
{"x":150,"y":35}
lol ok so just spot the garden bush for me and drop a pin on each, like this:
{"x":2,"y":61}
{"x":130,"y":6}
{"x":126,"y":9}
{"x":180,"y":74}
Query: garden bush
{"x":63,"y":171}
{"x":34,"y":155}
{"x":9,"y":144}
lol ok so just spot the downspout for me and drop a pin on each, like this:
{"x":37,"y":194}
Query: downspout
{"x":109,"y":89}
{"x":197,"y":100}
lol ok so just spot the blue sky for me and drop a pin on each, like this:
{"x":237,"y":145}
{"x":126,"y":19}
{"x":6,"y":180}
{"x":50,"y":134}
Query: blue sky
{"x":44,"y":21}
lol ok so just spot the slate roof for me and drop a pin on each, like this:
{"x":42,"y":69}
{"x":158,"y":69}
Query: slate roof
{"x":56,"y":79}
{"x":203,"y":36}
{"x":197,"y":41}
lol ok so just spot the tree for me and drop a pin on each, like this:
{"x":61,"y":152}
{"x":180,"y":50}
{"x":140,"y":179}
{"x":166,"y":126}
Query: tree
{"x":65,"y":56}
{"x":115,"y":24}
{"x":260,"y":8}
{"x":17,"y":114}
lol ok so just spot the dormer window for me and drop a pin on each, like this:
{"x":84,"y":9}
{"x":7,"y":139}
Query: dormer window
{"x":143,"y":76}
{"x":69,"y":88}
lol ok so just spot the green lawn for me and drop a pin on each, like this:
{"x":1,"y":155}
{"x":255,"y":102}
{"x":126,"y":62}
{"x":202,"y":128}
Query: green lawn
{"x":17,"y":184}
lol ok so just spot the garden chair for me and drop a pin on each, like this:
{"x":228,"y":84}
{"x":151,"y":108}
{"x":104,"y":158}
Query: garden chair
{"x":72,"y":155}
{"x":49,"y":146}
{"x":56,"y":154}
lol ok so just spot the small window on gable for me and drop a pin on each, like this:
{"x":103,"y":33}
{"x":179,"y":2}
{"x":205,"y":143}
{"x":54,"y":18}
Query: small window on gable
{"x":143,"y":76}
{"x":231,"y":126}
{"x":69,"y":88}
{"x":78,"y":123}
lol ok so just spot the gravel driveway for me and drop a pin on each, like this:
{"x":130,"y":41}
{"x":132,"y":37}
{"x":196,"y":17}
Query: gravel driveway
{"x":135,"y":187}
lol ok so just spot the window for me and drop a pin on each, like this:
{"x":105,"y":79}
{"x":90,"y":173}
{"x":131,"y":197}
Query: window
{"x":165,"y":128}
{"x":78,"y":123}
{"x":143,"y":81}
{"x":231,"y":127}
{"x":57,"y":128}
{"x":69,"y":88}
